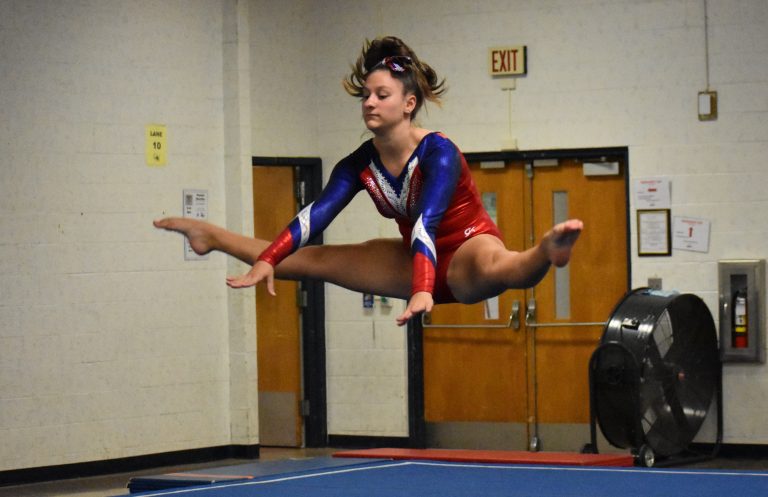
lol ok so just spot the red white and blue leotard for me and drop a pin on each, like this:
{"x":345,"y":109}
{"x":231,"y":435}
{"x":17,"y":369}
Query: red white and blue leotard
{"x":434,"y":202}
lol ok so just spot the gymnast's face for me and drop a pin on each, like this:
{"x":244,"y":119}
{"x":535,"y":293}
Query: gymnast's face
{"x":385,"y":103}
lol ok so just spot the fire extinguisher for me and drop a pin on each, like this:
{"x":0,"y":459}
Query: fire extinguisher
{"x":740,"y":324}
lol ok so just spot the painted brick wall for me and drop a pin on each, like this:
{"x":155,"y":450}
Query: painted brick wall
{"x":296,"y":97}
{"x":109,"y":340}
{"x":110,"y":344}
{"x":601,"y":73}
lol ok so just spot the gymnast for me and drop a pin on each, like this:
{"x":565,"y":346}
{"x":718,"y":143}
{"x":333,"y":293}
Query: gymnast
{"x":450,"y":251}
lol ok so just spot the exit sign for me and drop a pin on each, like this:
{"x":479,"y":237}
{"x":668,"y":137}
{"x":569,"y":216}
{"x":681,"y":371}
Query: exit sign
{"x":503,"y":61}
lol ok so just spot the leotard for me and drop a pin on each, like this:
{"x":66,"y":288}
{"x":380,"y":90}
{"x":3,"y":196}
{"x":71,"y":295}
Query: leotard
{"x":434,"y":202}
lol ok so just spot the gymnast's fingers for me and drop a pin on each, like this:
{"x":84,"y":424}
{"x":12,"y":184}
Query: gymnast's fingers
{"x":259,"y":272}
{"x":404,"y":317}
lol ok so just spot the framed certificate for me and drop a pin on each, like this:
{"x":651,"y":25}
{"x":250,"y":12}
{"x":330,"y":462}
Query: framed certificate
{"x":654,"y":237}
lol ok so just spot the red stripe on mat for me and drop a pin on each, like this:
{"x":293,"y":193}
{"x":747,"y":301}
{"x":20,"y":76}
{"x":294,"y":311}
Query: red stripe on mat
{"x":495,"y":456}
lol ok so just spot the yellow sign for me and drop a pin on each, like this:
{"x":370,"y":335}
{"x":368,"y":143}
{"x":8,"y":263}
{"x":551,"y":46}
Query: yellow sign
{"x":503,"y":61}
{"x":156,"y":151}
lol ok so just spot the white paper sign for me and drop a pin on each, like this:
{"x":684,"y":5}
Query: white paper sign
{"x":689,"y":233}
{"x":195,"y":205}
{"x":653,"y":193}
{"x":653,"y":232}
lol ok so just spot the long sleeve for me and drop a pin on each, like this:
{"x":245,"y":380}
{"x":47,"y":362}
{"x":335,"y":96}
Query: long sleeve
{"x":440,"y":171}
{"x":342,"y":186}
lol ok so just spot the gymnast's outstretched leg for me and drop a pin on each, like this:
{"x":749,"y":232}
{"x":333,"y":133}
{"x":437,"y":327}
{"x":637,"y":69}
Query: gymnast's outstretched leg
{"x":381,"y":266}
{"x":482,"y":267}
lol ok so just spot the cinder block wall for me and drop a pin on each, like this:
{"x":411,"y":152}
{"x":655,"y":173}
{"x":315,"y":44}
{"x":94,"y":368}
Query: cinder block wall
{"x":110,"y":344}
{"x":601,"y":73}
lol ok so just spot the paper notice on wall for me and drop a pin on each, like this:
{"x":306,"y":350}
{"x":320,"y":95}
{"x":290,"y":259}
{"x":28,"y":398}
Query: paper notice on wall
{"x":653,"y":232}
{"x":156,"y":140}
{"x":195,"y":205}
{"x":653,"y":193}
{"x":689,"y":233}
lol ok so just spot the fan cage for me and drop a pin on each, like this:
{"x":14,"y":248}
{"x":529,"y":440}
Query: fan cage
{"x":656,"y":373}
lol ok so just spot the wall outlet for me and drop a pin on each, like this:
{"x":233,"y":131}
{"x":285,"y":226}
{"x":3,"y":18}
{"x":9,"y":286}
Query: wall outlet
{"x":654,"y":283}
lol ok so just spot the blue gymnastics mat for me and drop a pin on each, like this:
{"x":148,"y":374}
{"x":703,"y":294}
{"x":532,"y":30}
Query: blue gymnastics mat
{"x":235,"y":473}
{"x":442,"y":479}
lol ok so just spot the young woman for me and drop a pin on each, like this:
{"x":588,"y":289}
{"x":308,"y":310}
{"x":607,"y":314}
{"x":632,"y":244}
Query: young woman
{"x":450,"y":251}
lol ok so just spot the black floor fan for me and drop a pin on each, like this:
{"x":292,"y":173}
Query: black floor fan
{"x":654,"y":377}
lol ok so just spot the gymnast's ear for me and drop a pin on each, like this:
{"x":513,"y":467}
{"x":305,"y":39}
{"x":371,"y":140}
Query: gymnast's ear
{"x":410,"y":103}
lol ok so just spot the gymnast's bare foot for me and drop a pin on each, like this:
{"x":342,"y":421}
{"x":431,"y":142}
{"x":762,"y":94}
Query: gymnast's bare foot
{"x":200,"y":234}
{"x":558,"y":242}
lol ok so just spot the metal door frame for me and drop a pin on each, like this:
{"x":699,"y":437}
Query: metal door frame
{"x":314,"y":387}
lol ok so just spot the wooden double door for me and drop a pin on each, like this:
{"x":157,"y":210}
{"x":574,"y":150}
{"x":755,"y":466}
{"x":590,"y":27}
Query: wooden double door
{"x":511,"y":373}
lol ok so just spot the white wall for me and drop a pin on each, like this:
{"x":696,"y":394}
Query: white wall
{"x":283,"y":60}
{"x":241,"y":311}
{"x":110,"y":344}
{"x":601,"y":73}
{"x":298,"y":110}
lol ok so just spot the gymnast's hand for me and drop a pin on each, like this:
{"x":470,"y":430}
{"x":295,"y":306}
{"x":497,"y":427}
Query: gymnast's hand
{"x":420,"y":302}
{"x":260,"y":271}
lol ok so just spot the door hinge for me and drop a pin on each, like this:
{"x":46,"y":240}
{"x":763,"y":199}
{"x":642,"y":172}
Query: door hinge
{"x":529,"y":170}
{"x":301,"y":297}
{"x":301,"y":193}
{"x":304,"y":407}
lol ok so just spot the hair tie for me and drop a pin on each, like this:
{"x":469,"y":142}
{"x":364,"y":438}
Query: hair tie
{"x":395,"y":63}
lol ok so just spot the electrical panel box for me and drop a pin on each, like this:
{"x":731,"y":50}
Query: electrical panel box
{"x":742,"y":310}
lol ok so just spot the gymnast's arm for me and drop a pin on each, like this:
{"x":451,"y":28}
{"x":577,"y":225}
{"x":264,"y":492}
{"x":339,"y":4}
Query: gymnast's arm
{"x":342,"y":186}
{"x":441,"y":170}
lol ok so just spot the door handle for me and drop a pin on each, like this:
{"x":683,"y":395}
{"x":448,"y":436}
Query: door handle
{"x":514,"y":318}
{"x":513,"y":322}
{"x":566,"y":325}
{"x":530,"y":312}
{"x":530,"y":319}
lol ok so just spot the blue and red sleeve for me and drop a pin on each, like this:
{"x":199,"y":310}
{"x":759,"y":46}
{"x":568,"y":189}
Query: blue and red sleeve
{"x":342,"y":186}
{"x":441,"y":170}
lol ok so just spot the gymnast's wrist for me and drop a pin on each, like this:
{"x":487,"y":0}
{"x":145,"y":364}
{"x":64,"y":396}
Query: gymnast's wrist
{"x":415,"y":291}
{"x":268,"y":259}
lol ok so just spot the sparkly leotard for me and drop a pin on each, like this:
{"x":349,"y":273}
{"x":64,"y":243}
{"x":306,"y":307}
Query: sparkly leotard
{"x":434,"y":202}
